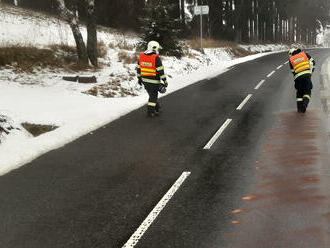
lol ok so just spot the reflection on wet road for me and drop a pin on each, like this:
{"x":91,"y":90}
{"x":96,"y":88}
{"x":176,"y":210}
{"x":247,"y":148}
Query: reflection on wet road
{"x":287,"y":207}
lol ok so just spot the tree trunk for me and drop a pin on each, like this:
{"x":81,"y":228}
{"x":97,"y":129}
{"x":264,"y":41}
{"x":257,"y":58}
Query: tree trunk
{"x":72,"y":20}
{"x":91,"y":32}
{"x":256,"y":23}
{"x":238,"y":20}
{"x":183,"y":14}
{"x":245,"y":21}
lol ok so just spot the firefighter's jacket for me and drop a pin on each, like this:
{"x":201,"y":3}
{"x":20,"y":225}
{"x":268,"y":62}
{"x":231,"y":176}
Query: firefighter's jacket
{"x":301,"y":64}
{"x":150,"y":68}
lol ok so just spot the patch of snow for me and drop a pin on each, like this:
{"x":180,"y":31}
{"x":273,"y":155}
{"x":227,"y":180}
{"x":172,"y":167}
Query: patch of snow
{"x":264,"y":48}
{"x":18,"y":28}
{"x":11,"y":131}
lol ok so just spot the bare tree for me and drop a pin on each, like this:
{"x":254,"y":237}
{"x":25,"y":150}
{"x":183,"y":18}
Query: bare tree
{"x":91,"y":32}
{"x":72,"y":19}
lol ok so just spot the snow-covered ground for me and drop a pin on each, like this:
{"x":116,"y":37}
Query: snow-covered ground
{"x":44,"y":98}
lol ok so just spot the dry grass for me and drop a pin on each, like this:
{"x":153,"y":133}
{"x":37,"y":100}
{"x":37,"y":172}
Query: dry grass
{"x":77,"y":67}
{"x":128,"y":58}
{"x":240,"y":52}
{"x":63,"y":48}
{"x":26,"y":58}
{"x":112,"y":45}
{"x":190,"y":55}
{"x":101,"y":49}
{"x":210,"y":43}
{"x":93,"y":91}
{"x":123,"y":44}
{"x":109,"y":90}
{"x":5,"y":127}
{"x":187,"y":51}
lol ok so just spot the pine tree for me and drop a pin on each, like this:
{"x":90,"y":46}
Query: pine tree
{"x":159,"y":25}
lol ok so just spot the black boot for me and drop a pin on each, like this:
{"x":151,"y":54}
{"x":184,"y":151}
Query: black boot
{"x":158,"y":109}
{"x":300,"y":107}
{"x":305,"y":103}
{"x":151,"y":111}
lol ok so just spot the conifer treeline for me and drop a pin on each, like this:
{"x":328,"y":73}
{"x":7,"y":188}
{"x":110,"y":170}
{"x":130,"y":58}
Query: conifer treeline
{"x":236,"y":20}
{"x":268,"y":20}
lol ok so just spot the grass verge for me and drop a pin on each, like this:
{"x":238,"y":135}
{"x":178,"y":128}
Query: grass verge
{"x":27,"y":58}
{"x":211,"y":43}
{"x":128,"y":58}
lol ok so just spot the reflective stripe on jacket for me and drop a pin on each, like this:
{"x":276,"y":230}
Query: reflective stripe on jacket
{"x":148,"y":65}
{"x":150,"y":68}
{"x":302,"y":73}
{"x":300,"y":64}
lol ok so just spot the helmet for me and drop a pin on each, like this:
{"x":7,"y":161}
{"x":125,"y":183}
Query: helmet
{"x":291,"y":51}
{"x":294,"y":51}
{"x":162,"y":88}
{"x":153,"y":46}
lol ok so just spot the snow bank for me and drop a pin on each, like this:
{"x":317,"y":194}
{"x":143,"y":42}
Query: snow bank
{"x":264,"y":48}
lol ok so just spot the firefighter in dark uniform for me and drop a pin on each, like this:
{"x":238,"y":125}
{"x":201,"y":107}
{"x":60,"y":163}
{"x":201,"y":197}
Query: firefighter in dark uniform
{"x":150,"y":73}
{"x":302,"y":66}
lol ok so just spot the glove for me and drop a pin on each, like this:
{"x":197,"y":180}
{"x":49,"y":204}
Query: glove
{"x":165,"y":83}
{"x":162,"y":88}
{"x":140,"y":81}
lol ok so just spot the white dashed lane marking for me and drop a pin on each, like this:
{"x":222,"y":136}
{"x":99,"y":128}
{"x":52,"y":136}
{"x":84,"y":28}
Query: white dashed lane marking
{"x":137,"y":235}
{"x":244,"y":102}
{"x":270,"y":74}
{"x":259,"y":84}
{"x":240,"y":107}
{"x":217,"y":134}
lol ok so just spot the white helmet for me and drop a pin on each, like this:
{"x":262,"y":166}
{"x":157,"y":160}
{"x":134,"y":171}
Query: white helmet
{"x":291,"y":51}
{"x":153,"y":46}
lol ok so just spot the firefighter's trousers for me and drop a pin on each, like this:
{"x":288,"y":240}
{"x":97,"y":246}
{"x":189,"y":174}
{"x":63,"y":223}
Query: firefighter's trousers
{"x":152,"y":90}
{"x":304,"y":86}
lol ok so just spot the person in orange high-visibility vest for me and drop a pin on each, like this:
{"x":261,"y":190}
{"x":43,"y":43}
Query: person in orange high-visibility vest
{"x":302,"y":66}
{"x":150,"y":73}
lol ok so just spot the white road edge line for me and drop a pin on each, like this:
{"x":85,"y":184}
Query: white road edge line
{"x":137,"y":235}
{"x":244,"y":102}
{"x":259,"y":85}
{"x":286,"y":62}
{"x":279,"y":67}
{"x":217,"y":134}
{"x":270,"y":74}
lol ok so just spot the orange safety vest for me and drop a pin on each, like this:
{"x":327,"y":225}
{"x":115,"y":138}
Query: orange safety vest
{"x":148,"y":65}
{"x":300,"y":62}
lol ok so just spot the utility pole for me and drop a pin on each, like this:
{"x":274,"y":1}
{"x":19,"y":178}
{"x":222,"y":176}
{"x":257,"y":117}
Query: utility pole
{"x":201,"y":23}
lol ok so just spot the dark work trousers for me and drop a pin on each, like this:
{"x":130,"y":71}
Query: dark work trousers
{"x":152,"y":89}
{"x":304,"y":86}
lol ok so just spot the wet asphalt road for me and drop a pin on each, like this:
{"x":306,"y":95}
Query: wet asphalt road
{"x":267,"y":165}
